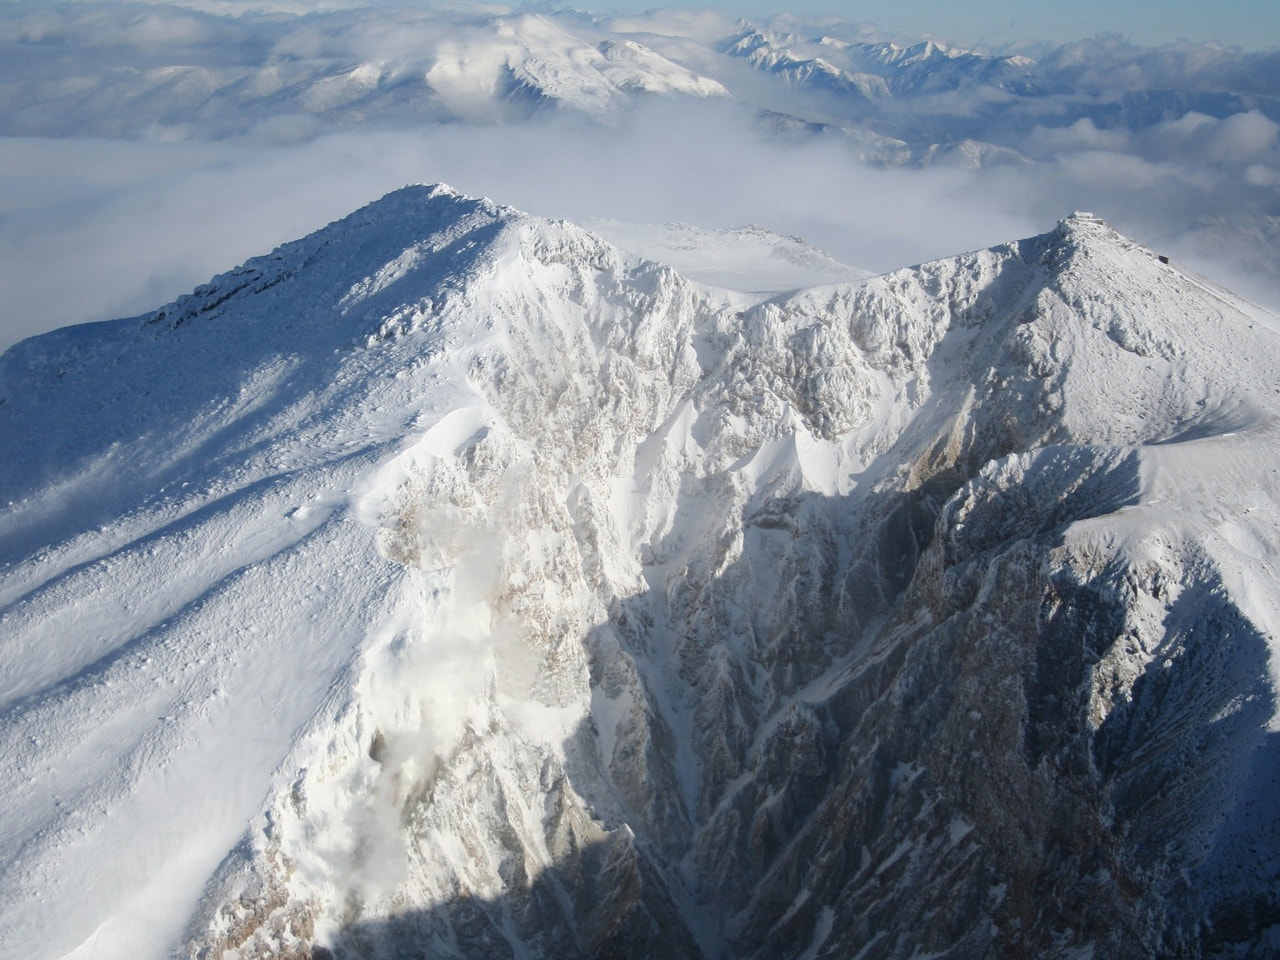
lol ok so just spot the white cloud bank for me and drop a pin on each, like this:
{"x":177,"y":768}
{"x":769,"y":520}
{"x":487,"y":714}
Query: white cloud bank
{"x":98,"y":228}
{"x":95,"y":229}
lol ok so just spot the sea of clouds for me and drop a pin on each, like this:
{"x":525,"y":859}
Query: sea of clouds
{"x":144,"y":148}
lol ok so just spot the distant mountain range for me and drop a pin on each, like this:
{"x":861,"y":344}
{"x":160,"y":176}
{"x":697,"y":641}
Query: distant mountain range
{"x":86,"y":72}
{"x":1179,"y":144}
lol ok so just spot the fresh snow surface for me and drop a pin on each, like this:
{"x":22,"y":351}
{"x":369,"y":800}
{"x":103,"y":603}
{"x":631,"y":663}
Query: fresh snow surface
{"x":277,"y":555}
{"x":750,"y":259}
{"x":189,"y":580}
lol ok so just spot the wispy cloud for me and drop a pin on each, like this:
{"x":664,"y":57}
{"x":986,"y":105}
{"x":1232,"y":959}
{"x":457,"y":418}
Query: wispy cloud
{"x":1112,"y":63}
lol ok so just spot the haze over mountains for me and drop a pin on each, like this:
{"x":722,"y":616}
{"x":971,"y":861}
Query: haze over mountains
{"x":230,"y":134}
{"x":166,"y":72}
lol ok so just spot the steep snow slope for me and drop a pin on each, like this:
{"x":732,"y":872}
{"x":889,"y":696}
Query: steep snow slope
{"x":525,"y":599}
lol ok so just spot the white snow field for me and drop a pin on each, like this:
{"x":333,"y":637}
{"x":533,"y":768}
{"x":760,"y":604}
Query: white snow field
{"x":449,"y":580}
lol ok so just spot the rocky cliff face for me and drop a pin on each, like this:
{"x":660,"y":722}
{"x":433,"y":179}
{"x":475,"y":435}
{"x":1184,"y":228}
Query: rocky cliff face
{"x":930,"y":615}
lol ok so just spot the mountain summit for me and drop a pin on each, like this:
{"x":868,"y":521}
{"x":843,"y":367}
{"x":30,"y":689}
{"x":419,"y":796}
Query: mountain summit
{"x":448,"y":583}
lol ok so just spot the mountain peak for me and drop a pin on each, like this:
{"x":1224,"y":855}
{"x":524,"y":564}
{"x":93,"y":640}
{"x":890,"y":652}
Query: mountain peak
{"x":1086,"y":237}
{"x":408,"y":230}
{"x":1083,"y":223}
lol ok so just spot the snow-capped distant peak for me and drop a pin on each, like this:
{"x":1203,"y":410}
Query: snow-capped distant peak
{"x":526,"y":61}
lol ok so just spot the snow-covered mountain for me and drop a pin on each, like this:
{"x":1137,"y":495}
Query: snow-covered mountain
{"x":882,"y":70}
{"x":450,"y":583}
{"x":1180,"y":143}
{"x":289,"y":77}
{"x":932,"y":103}
{"x":162,"y":72}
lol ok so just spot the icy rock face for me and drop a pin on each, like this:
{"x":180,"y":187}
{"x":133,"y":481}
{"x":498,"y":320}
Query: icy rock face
{"x":927,"y":614}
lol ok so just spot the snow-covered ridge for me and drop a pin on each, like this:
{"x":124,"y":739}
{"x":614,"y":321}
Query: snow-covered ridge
{"x":288,"y":76}
{"x":878,"y":71}
{"x":451,"y":580}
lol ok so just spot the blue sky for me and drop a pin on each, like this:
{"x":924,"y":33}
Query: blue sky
{"x":1254,"y":24}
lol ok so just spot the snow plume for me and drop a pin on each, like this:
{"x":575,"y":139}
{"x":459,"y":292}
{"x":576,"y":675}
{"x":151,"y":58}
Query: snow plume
{"x":428,"y":674}
{"x":423,"y":684}
{"x":425,"y":681}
